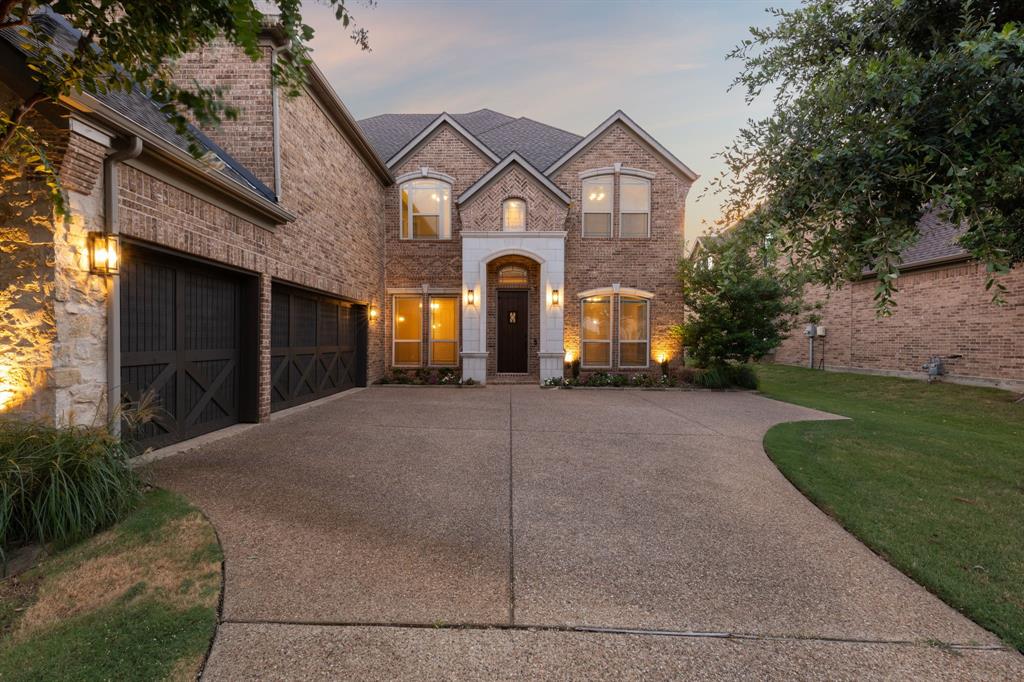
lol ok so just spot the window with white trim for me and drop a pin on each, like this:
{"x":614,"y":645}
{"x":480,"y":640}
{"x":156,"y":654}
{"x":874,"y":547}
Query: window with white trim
{"x":596,"y":331}
{"x":513,"y":215}
{"x":597,"y":206}
{"x":634,"y":207}
{"x":634,"y":331}
{"x":407,"y":336}
{"x":444,"y":331}
{"x":426,"y":209}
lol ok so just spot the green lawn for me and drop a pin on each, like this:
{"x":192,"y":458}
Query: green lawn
{"x":929,"y":476}
{"x":137,"y":602}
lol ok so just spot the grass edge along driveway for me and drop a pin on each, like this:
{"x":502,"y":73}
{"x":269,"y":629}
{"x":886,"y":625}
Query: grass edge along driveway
{"x":135,"y":602}
{"x":929,"y":476}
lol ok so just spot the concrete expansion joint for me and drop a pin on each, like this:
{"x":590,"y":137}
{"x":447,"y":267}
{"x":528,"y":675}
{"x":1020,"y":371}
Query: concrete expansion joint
{"x":641,"y":632}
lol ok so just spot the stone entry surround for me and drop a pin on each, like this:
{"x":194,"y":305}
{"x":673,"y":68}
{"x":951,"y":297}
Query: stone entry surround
{"x":547,"y":249}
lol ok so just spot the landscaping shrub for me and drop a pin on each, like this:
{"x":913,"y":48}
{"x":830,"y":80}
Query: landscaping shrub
{"x":725,"y":376}
{"x":61,"y":484}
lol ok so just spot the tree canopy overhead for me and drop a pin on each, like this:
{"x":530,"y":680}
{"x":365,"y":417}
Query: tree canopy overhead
{"x":134,"y":43}
{"x":882,"y":108}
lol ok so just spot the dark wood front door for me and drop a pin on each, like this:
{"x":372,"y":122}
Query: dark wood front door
{"x":513,"y":331}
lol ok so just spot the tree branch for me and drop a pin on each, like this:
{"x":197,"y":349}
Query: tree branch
{"x":6,"y":6}
{"x":17,"y":115}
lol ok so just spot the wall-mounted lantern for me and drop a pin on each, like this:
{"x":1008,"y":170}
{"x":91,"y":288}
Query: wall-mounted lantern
{"x":104,"y":253}
{"x":374,"y":312}
{"x":554,"y":297}
{"x":470,"y":297}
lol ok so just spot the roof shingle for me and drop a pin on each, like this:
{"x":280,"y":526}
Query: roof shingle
{"x":538,"y":143}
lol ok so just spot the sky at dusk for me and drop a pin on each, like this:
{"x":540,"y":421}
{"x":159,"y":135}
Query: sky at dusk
{"x":565,"y":63}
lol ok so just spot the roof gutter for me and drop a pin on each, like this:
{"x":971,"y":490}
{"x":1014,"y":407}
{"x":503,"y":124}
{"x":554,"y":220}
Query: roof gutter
{"x":181,"y":159}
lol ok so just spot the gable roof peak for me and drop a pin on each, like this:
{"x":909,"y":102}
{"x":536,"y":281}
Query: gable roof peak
{"x":513,"y":157}
{"x":621,"y":117}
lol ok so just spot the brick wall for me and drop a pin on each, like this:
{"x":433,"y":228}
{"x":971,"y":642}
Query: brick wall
{"x":436,"y":263}
{"x":335,"y":245}
{"x":940,"y":311}
{"x":247,"y":87}
{"x":648,"y":264}
{"x":483,"y":211}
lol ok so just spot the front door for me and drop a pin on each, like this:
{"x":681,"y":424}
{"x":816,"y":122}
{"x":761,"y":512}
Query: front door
{"x":513,"y":331}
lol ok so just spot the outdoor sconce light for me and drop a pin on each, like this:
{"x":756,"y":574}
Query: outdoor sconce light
{"x":374,"y":312}
{"x":470,"y":297}
{"x":554,"y":297}
{"x":104,"y":253}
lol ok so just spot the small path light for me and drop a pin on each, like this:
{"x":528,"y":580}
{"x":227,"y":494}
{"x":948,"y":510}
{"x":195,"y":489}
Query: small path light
{"x":104,"y":253}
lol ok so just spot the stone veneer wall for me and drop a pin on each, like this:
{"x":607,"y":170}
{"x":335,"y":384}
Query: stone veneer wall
{"x":940,"y":311}
{"x":52,"y":316}
{"x":649,"y":264}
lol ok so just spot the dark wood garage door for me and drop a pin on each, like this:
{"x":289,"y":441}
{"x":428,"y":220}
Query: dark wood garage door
{"x":318,"y":346}
{"x":183,"y":343}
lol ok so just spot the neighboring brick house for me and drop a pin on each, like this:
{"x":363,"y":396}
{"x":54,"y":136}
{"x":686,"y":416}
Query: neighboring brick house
{"x":943,"y":310}
{"x":280,"y":267}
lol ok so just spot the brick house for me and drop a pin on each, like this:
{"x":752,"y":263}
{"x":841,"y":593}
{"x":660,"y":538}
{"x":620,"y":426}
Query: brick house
{"x":943,"y":310}
{"x":307,"y":253}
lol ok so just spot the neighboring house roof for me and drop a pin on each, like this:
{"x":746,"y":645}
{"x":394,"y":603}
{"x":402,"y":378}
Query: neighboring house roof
{"x":936,"y":243}
{"x":136,"y":106}
{"x":538,"y":143}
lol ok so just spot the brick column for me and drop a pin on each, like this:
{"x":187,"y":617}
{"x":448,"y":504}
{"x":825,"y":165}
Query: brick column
{"x":263,"y":363}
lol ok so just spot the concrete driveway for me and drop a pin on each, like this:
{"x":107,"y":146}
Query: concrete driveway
{"x":515,"y":532}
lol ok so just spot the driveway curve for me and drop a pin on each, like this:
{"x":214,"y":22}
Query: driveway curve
{"x":514,"y":532}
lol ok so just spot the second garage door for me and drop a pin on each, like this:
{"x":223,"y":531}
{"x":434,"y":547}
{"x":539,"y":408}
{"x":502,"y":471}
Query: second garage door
{"x":318,"y":346}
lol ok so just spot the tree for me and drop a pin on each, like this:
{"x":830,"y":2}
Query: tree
{"x":739,"y":307}
{"x":129,"y":44}
{"x":883,"y":108}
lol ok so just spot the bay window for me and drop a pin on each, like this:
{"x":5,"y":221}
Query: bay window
{"x":426,"y":209}
{"x":596,"y":332}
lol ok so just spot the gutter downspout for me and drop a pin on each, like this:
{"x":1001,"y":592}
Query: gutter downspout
{"x":275,"y":98}
{"x":112,"y":225}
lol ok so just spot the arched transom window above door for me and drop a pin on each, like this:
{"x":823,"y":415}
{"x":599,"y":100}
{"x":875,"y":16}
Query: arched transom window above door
{"x":513,"y":276}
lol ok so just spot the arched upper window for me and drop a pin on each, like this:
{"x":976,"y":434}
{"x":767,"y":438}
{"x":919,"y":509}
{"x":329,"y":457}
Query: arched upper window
{"x":513,"y":215}
{"x":513,"y":276}
{"x":426,"y":209}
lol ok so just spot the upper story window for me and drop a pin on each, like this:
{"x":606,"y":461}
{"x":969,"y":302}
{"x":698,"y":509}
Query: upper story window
{"x":634,"y":207}
{"x":597,"y":206}
{"x":513,"y":215}
{"x":426,"y":209}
